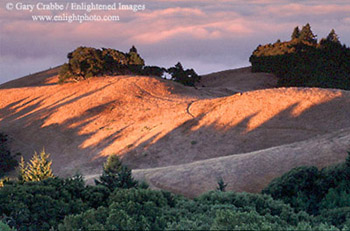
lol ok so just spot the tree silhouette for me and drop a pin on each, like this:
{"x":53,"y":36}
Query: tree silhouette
{"x":221,"y":185}
{"x":306,"y":34}
{"x":296,"y":33}
{"x":135,"y":58}
{"x":133,"y":49}
{"x":333,"y":37}
{"x":187,"y":77}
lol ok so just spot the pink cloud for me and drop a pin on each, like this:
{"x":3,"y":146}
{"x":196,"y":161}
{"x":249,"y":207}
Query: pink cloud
{"x":177,"y":11}
{"x":186,"y":27}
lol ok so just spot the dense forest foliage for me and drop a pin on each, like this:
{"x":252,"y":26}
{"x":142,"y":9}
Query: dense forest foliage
{"x":322,"y":193}
{"x":86,"y":62}
{"x":305,"y":62}
{"x":303,"y":199}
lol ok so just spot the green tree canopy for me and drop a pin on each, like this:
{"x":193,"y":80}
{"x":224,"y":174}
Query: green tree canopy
{"x":86,"y":62}
{"x":5,"y":227}
{"x":116,"y":175}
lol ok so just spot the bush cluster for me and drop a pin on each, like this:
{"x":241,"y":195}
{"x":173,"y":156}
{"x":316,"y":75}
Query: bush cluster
{"x":187,"y":77}
{"x":304,"y":62}
{"x":86,"y":62}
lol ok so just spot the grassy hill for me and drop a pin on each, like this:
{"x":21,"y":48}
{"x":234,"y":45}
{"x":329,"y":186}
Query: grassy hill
{"x":178,"y":138}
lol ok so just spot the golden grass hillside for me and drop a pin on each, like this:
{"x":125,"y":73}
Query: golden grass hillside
{"x":234,"y":125}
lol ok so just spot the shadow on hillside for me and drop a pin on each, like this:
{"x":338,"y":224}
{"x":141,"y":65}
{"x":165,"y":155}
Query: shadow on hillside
{"x":33,"y":80}
{"x":188,"y":142}
{"x":33,"y":118}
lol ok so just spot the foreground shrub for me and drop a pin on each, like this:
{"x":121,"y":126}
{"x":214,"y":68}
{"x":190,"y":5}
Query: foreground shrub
{"x":140,"y":209}
{"x":233,"y":220}
{"x":42,"y":205}
{"x":262,"y":204}
{"x":339,"y":217}
{"x":5,"y":227}
{"x":129,"y":209}
{"x":38,"y":169}
{"x":299,"y":188}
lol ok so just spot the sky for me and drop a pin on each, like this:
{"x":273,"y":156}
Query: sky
{"x":207,"y":35}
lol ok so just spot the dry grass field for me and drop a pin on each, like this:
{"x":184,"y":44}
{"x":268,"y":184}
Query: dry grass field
{"x":235,"y":125}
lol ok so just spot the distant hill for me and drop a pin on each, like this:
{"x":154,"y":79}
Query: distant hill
{"x":184,"y":137}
